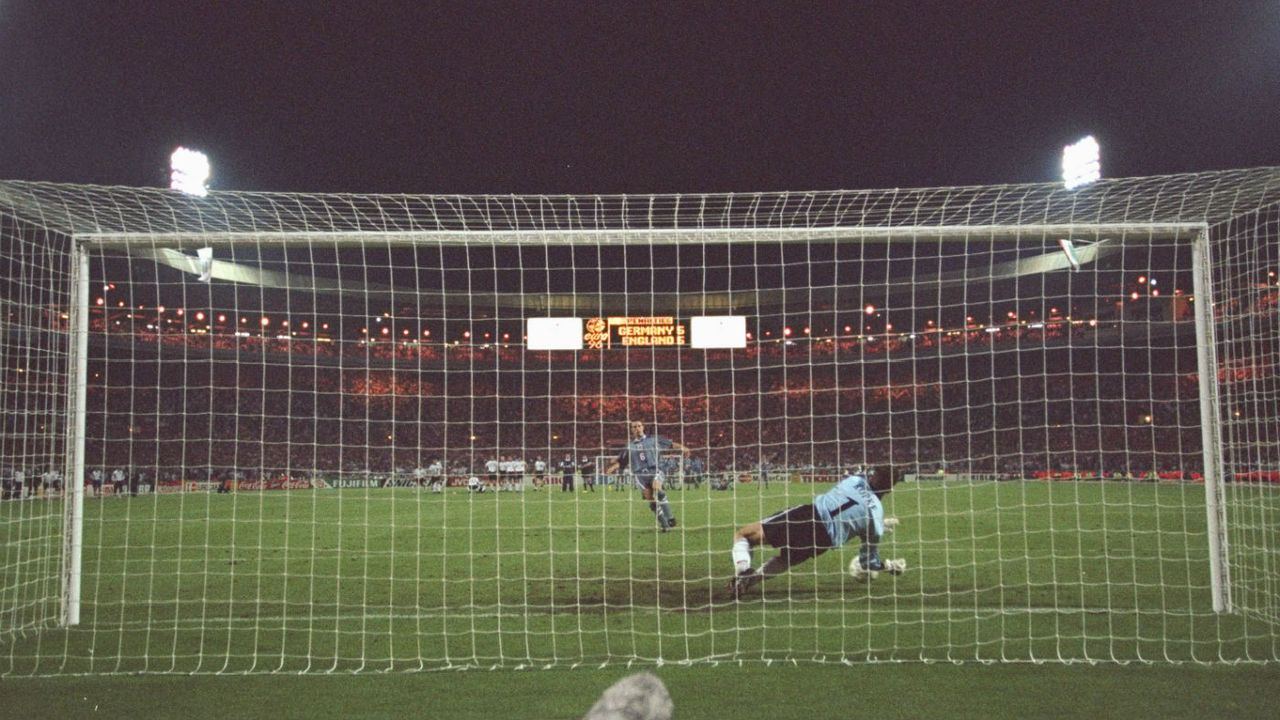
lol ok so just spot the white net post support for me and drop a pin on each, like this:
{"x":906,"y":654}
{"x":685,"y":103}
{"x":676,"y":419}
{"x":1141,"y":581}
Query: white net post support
{"x":1210,"y":430}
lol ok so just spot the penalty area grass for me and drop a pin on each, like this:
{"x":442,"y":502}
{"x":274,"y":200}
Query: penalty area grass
{"x":909,"y":690}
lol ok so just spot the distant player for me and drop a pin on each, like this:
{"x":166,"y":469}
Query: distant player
{"x":643,"y":456}
{"x":850,"y":509}
{"x":567,"y":470}
{"x":434,"y":475}
{"x":475,"y":484}
{"x":694,"y":472}
{"x":588,"y":470}
{"x":518,"y":469}
{"x":493,"y":468}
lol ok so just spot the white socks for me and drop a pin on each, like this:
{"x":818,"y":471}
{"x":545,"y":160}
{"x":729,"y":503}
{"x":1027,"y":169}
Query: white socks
{"x":741,"y":555}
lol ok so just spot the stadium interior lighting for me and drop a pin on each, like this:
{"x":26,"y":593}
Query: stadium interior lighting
{"x":1081,"y":163}
{"x":189,"y":172}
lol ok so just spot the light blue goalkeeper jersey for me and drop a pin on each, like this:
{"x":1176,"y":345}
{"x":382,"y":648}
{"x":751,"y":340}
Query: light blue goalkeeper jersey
{"x":849,"y":510}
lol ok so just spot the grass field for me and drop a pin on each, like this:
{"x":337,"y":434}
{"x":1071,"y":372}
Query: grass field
{"x":908,"y":692}
{"x":397,"y":581}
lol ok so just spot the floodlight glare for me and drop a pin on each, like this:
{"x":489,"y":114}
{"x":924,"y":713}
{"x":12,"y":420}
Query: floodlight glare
{"x":189,"y":172}
{"x":1081,"y":163}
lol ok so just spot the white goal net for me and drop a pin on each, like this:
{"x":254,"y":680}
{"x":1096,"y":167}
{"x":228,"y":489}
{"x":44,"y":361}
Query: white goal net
{"x":255,"y":432}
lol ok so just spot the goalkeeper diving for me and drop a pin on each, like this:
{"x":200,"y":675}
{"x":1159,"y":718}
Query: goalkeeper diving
{"x":851,"y":509}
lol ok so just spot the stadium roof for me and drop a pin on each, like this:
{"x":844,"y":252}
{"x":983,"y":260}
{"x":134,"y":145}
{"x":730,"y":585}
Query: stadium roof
{"x":159,"y":224}
{"x":163,"y":217}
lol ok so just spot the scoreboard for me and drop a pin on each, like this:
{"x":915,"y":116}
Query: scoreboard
{"x":628,"y":331}
{"x":632,"y":331}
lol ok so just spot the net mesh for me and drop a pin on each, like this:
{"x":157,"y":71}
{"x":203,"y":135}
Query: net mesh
{"x":278,"y":459}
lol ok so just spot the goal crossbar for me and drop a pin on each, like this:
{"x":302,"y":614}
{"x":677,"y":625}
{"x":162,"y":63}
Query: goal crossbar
{"x":1090,"y":232}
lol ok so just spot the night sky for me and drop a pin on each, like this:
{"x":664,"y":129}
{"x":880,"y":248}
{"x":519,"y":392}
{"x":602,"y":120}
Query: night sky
{"x":610,"y":97}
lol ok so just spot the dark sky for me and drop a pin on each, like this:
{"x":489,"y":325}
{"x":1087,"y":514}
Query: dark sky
{"x":609,"y":97}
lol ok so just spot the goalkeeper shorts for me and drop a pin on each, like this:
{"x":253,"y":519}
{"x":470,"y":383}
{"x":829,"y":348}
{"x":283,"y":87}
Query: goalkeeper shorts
{"x":797,"y":532}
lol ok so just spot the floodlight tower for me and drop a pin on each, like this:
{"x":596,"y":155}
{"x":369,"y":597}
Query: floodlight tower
{"x":189,"y":171}
{"x":1080,"y":163}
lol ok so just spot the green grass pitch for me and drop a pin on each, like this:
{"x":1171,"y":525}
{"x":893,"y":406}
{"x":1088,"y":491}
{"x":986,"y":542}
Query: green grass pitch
{"x":398,"y":580}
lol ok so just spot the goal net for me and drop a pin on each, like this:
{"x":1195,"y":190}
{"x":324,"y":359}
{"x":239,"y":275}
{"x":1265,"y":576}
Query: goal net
{"x":240,"y":431}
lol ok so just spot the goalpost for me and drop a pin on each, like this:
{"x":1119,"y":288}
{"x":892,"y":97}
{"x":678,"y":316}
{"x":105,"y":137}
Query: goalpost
{"x":216,"y":408}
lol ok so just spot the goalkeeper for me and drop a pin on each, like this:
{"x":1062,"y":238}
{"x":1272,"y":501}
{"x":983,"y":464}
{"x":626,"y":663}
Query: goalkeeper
{"x":643,"y":455}
{"x":850,"y":509}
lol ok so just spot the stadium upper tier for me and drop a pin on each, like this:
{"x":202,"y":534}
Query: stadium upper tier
{"x":310,"y":244}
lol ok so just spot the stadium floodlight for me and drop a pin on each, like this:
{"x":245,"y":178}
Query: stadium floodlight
{"x":189,"y":172}
{"x":1081,"y":163}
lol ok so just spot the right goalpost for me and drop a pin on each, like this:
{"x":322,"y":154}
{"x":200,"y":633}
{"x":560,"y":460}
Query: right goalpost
{"x":240,"y":430}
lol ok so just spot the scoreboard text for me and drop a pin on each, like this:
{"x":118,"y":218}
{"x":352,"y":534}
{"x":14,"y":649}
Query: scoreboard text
{"x":645,"y":331}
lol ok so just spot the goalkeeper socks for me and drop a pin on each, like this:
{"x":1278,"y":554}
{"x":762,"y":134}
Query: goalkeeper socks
{"x":741,"y":555}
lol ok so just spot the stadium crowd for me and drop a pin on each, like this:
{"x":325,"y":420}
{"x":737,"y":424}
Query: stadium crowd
{"x":271,"y":417}
{"x":1022,"y":399}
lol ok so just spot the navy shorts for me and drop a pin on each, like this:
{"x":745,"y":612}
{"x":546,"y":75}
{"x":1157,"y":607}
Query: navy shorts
{"x":797,"y":532}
